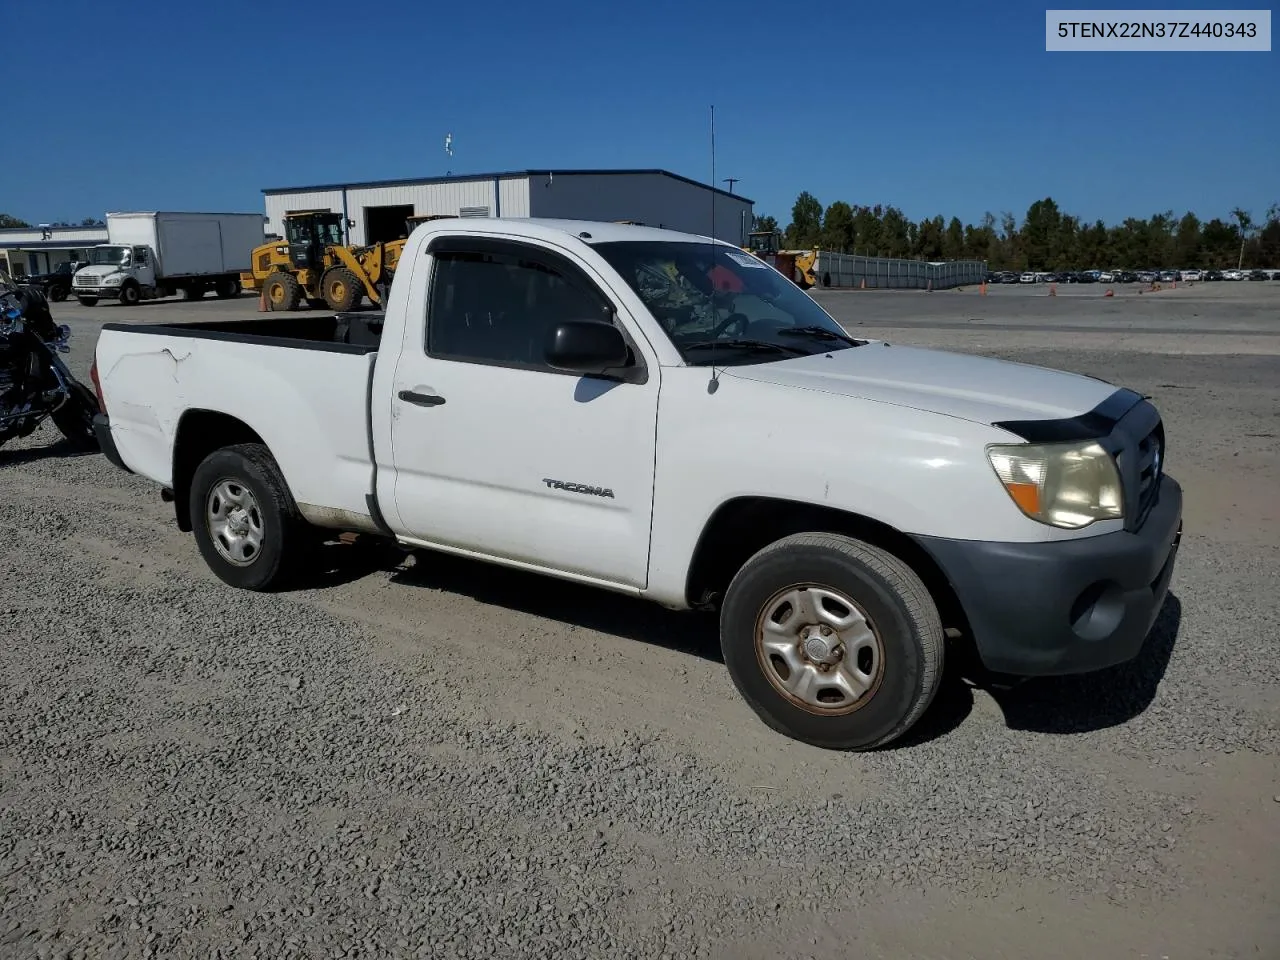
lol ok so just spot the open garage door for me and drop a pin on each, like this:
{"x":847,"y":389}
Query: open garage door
{"x":386,"y":223}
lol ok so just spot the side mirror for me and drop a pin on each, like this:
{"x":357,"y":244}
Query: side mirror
{"x":588,"y":347}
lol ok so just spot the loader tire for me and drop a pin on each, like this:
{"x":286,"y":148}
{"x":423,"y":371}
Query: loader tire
{"x":281,"y":291}
{"x":342,"y":289}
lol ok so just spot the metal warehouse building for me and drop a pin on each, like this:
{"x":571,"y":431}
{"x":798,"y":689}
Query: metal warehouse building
{"x":30,"y":250}
{"x":376,"y":210}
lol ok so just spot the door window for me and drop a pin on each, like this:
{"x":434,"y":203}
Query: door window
{"x":499,"y":306}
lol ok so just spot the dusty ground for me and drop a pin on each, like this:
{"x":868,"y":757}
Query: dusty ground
{"x":428,"y":757}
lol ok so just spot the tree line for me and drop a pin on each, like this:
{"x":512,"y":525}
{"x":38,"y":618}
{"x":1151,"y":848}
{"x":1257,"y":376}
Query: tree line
{"x":7,"y":222}
{"x":1046,"y":239}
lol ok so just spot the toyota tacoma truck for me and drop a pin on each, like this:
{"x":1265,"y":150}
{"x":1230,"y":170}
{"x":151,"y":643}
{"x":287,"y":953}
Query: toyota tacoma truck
{"x":663,"y":415}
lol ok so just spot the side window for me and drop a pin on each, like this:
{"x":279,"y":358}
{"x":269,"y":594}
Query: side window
{"x":140,"y":256}
{"x":499,"y":308}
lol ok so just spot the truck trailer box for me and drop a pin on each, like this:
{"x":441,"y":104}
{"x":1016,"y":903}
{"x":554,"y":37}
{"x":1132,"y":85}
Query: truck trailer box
{"x":190,"y":244}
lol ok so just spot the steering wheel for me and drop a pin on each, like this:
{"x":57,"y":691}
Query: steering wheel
{"x":739,"y":318}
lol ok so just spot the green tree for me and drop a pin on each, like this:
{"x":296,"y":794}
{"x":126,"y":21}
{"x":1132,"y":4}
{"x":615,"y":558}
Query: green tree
{"x":838,"y":230}
{"x":1244,"y":221}
{"x":8,"y":223}
{"x":868,"y":231}
{"x":1040,"y":234}
{"x":953,"y":245}
{"x":895,"y":233}
{"x":1186,"y":241}
{"x":805,"y":230}
{"x":764,"y":224}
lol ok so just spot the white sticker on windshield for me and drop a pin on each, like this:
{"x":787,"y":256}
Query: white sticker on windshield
{"x":744,"y":259}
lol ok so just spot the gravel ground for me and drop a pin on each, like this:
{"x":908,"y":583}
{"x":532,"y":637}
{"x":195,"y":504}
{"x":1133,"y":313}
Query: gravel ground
{"x":424,"y":756}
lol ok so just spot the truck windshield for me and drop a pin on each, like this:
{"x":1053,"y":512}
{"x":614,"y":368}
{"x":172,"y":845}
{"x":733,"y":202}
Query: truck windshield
{"x":109,"y":256}
{"x":719,"y":304}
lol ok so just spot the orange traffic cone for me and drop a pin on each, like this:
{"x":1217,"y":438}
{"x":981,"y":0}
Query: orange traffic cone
{"x":1109,"y":293}
{"x":984,"y":288}
{"x":1053,"y":289}
{"x":262,"y":301}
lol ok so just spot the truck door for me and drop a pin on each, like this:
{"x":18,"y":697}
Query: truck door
{"x":495,"y":452}
{"x":144,"y":266}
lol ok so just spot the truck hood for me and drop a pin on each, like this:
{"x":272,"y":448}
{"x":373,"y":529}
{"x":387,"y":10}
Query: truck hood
{"x":979,"y":389}
{"x":97,"y":273}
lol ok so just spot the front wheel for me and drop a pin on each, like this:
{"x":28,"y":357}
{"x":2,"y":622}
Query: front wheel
{"x":245,"y":520}
{"x":88,"y":301}
{"x":832,"y":641}
{"x":75,"y":418}
{"x":130,"y":294}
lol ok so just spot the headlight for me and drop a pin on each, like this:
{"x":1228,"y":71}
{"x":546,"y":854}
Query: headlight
{"x":113,"y":280}
{"x":1066,"y":485}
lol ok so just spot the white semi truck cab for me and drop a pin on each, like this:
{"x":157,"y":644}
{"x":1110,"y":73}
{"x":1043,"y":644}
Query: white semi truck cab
{"x":665,"y":416}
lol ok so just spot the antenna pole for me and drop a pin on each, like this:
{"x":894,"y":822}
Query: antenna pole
{"x":713,"y":171}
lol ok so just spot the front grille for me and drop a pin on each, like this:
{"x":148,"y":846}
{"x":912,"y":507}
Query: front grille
{"x":86,"y":283}
{"x":1150,"y":466}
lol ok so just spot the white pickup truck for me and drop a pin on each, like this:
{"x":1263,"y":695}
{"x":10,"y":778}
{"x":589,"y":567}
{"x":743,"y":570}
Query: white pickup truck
{"x":666,"y":416}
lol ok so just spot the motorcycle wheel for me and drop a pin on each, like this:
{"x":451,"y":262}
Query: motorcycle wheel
{"x":75,"y":418}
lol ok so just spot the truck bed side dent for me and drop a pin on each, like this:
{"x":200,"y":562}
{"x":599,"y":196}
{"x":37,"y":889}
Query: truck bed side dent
{"x":310,"y":406}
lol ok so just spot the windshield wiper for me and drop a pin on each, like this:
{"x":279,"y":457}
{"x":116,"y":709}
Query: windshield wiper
{"x":822,"y":333}
{"x":740,"y":344}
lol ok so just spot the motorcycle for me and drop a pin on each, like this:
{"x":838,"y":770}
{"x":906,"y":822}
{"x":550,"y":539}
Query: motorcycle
{"x":34,"y":382}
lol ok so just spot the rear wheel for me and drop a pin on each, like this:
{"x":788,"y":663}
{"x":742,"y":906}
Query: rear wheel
{"x":832,"y":641}
{"x":341,"y":288}
{"x":245,"y":520}
{"x":194,"y":291}
{"x":282,"y":291}
{"x":227,"y":288}
{"x":75,"y":418}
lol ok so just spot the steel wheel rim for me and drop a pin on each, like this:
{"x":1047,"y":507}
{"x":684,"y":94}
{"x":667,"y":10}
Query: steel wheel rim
{"x":819,"y":649}
{"x":234,"y":521}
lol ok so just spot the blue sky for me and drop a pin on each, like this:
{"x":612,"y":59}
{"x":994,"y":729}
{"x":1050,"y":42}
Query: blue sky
{"x":933,"y":106}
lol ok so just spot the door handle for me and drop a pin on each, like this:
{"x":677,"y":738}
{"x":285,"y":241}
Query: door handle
{"x":421,"y":399}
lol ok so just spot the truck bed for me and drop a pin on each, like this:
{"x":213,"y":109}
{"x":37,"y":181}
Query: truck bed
{"x":342,"y":332}
{"x":300,"y":383}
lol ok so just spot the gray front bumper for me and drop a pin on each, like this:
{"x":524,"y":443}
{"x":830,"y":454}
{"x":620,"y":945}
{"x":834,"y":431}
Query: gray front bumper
{"x":1065,"y":606}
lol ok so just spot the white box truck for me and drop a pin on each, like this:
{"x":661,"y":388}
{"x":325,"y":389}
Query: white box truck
{"x":157,"y":254}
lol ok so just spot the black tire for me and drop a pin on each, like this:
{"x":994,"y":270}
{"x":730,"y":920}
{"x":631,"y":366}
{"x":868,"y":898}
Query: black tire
{"x":57,"y":294}
{"x":130,"y":294}
{"x":283,"y":532}
{"x":903,"y":617}
{"x":75,"y":418}
{"x":88,"y":301}
{"x":341,"y":289}
{"x":193,"y":292}
{"x":282,"y":291}
{"x":227,"y":288}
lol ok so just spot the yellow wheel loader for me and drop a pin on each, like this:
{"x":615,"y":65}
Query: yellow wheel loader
{"x":799,"y":265}
{"x":311,"y":263}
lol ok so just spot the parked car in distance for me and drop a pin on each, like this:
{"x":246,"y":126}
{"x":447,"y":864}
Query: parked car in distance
{"x":1212,"y":276}
{"x":57,"y":283}
{"x":1191,"y":276}
{"x":1259,"y":275}
{"x":567,"y":435}
{"x":1027,"y":278}
{"x":1233,"y":274}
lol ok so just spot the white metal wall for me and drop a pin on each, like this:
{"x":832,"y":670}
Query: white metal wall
{"x":508,"y":197}
{"x":655,"y":200}
{"x":19,"y":235}
{"x":279,"y":203}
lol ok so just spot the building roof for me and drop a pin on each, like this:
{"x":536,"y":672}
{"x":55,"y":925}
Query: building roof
{"x":550,"y":228}
{"x":7,"y":243}
{"x":468,"y":177}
